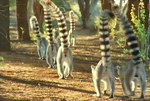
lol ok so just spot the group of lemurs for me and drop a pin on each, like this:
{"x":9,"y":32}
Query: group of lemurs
{"x":56,"y":49}
{"x":59,"y":55}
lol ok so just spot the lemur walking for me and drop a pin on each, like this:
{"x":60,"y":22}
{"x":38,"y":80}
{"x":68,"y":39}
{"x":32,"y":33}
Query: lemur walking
{"x":42,"y":42}
{"x":104,"y":70}
{"x":64,"y":55}
{"x":52,"y":48}
{"x":134,"y":68}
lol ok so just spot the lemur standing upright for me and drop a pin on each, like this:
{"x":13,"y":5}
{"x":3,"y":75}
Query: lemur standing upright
{"x":134,"y":68}
{"x":52,"y":48}
{"x":42,"y":42}
{"x":64,"y":55}
{"x":104,"y":70}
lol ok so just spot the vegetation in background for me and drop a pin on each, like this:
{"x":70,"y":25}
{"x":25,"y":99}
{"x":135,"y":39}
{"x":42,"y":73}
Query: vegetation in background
{"x":1,"y":59}
{"x":12,"y":4}
{"x":140,"y":29}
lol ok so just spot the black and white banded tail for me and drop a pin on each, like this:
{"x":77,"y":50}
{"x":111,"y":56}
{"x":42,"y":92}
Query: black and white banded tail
{"x":35,"y":26}
{"x":62,"y":26}
{"x":104,"y":34}
{"x":104,"y":38}
{"x":48,"y":24}
{"x":72,"y":21}
{"x":131,"y":39}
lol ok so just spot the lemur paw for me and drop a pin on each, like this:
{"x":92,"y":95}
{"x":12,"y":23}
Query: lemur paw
{"x":111,"y":96}
{"x":69,"y":76}
{"x":97,"y":95}
{"x":40,"y":58}
{"x":61,"y":77}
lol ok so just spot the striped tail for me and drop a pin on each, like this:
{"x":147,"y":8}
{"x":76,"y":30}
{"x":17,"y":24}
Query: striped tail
{"x":62,"y":26}
{"x":63,"y":11}
{"x":131,"y":39}
{"x":104,"y":35}
{"x":35,"y":26}
{"x":48,"y":23}
{"x":72,"y":21}
{"x":104,"y":39}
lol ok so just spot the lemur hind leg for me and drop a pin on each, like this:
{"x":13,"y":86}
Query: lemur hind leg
{"x":60,"y":68}
{"x":68,"y":62}
{"x":96,"y":79}
{"x":143,"y":80}
{"x":112,"y":85}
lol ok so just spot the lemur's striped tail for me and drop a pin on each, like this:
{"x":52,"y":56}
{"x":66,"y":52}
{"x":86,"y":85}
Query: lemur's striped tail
{"x":104,"y":39}
{"x":35,"y":26}
{"x":130,"y":35}
{"x":48,"y":23}
{"x":63,"y":11}
{"x":62,"y":26}
{"x":72,"y":21}
{"x":104,"y":35}
{"x":131,"y":39}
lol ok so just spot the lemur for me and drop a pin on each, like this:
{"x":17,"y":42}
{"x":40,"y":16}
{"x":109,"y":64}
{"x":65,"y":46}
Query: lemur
{"x":71,"y":36}
{"x":104,"y":70}
{"x":135,"y":68}
{"x":71,"y":29}
{"x":42,"y":42}
{"x":64,"y":55}
{"x":52,"y":48}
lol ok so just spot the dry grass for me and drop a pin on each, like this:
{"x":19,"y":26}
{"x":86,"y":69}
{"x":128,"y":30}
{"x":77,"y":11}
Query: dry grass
{"x":24,"y":77}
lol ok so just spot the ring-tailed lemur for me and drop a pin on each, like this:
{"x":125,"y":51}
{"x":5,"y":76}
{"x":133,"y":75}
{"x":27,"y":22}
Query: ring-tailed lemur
{"x":135,"y":67}
{"x":71,"y":36}
{"x":64,"y":55}
{"x":104,"y":70}
{"x":52,"y":48}
{"x":42,"y":42}
{"x":63,"y":11}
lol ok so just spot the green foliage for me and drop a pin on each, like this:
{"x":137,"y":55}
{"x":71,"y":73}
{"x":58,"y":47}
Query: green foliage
{"x":12,"y":5}
{"x":95,"y":13}
{"x":117,"y":34}
{"x":1,"y":59}
{"x":140,"y":28}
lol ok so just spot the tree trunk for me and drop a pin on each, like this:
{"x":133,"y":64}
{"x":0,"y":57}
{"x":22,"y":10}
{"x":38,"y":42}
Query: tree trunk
{"x":106,"y":4}
{"x":38,"y":12}
{"x":84,"y":6}
{"x":22,"y":22}
{"x":4,"y":26}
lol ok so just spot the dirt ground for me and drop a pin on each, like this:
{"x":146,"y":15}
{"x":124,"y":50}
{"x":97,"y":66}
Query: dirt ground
{"x":23,"y":77}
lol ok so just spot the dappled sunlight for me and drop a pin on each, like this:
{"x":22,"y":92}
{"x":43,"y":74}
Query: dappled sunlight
{"x":25,"y":77}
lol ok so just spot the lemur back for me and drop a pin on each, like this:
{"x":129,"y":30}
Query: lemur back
{"x":136,"y":67}
{"x":42,"y":42}
{"x":104,"y":70}
{"x":52,"y":49}
{"x":64,"y":55}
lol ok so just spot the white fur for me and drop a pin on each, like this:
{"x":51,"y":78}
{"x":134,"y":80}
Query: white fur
{"x":129,"y":81}
{"x":104,"y":74}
